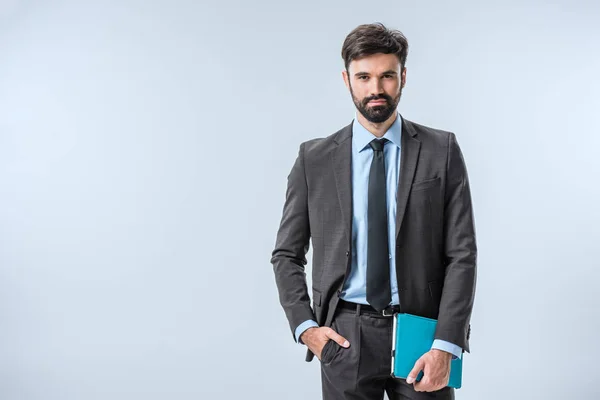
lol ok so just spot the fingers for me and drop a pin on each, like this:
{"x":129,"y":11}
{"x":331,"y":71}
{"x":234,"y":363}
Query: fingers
{"x":427,"y":385}
{"x":422,"y":385}
{"x":333,"y":335}
{"x":412,"y":375}
{"x":434,"y":375}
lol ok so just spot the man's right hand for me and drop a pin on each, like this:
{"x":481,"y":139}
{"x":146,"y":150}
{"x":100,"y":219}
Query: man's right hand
{"x":316,"y":338}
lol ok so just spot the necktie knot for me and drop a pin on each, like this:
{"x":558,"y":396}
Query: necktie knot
{"x":377,"y":144}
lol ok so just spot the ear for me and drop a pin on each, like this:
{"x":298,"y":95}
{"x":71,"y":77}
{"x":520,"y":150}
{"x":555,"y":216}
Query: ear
{"x":403,"y":77}
{"x":345,"y":77}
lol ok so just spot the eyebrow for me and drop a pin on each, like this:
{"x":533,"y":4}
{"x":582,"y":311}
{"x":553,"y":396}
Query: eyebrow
{"x":388,"y":72}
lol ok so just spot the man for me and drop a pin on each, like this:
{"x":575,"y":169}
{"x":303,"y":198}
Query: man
{"x":387,"y":205}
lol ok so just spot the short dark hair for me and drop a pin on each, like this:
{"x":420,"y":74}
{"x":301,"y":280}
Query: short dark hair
{"x":374,"y":38}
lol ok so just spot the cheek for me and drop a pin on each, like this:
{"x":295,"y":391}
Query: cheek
{"x":359,"y":92}
{"x":359,"y":88}
{"x":392,"y":88}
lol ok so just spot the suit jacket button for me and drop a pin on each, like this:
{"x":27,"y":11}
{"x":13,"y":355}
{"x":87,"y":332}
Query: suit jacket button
{"x":347,"y":253}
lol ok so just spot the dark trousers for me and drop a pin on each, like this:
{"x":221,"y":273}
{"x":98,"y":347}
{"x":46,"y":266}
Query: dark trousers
{"x":362,"y":371}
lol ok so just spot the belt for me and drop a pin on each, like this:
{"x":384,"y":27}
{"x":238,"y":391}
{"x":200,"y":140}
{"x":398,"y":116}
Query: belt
{"x":365,"y":308}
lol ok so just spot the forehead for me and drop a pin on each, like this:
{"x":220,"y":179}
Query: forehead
{"x":374,"y":64}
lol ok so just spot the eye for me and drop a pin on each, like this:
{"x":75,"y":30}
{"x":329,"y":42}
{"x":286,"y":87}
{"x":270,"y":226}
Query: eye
{"x":388,"y":76}
{"x":362,"y":76}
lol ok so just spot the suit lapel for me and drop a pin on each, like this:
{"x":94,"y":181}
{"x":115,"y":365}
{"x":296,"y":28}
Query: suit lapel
{"x":409,"y":154}
{"x":342,"y":167}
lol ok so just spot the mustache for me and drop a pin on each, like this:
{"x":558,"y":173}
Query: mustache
{"x":382,"y":97}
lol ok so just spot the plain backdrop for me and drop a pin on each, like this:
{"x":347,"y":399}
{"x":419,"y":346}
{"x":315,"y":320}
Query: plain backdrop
{"x":144,"y":150}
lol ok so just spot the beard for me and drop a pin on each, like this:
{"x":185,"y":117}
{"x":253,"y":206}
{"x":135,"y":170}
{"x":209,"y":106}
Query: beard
{"x":379,"y":113}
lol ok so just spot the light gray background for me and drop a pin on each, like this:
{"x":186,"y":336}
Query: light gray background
{"x":144,"y":150}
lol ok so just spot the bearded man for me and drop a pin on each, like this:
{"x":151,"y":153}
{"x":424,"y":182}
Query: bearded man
{"x":387,"y":205}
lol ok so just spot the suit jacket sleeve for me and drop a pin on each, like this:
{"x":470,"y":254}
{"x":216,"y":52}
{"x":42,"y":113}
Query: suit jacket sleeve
{"x":292,"y":244}
{"x":460,"y":252}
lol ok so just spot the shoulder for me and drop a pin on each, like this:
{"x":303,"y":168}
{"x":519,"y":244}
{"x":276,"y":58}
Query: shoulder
{"x":430,"y":135}
{"x":322,"y":146}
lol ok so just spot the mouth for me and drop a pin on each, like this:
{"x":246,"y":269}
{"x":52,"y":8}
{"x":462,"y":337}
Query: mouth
{"x":377,"y":102}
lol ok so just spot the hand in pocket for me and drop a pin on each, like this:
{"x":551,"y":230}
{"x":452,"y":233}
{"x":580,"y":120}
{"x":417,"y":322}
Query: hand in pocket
{"x":317,"y":338}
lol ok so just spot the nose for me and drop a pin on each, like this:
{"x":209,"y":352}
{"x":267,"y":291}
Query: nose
{"x":376,"y":87}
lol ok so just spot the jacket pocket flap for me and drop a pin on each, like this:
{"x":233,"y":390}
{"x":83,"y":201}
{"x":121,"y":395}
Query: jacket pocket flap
{"x":316,"y":297}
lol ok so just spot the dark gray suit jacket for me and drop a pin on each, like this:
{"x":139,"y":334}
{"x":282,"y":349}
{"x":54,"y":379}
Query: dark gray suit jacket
{"x":435,"y":235}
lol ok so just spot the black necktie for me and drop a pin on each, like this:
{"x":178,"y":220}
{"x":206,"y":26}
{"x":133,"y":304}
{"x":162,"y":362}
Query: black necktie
{"x":378,"y":261}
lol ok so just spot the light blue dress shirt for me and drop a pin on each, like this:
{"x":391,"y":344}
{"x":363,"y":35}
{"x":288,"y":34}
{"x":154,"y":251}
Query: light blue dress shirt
{"x":354,"y":289}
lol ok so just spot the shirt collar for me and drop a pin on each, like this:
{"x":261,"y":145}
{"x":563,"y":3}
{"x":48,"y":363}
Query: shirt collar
{"x":361,"y":137}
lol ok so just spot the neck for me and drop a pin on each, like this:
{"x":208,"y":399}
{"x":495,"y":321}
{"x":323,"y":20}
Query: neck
{"x":377,"y":129}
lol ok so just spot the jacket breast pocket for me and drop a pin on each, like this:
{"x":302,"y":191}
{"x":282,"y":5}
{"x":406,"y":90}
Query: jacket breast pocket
{"x":426,"y":184}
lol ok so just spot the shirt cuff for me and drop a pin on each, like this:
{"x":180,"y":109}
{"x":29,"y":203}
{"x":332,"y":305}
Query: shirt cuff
{"x":451,"y":348}
{"x":304,"y":326}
